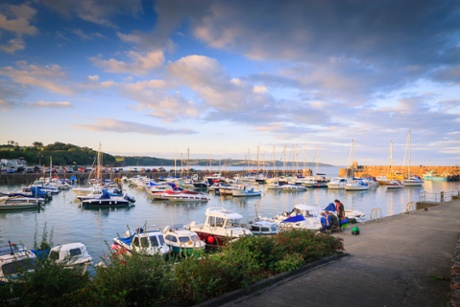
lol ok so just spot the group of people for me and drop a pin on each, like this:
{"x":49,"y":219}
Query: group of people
{"x":329,"y":220}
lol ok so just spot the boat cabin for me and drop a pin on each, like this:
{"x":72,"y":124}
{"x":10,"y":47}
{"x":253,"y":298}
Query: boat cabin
{"x":15,"y":259}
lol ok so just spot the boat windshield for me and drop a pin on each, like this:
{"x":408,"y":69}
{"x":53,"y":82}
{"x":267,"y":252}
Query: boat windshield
{"x":18,"y":266}
{"x":184,"y":239}
{"x":233,"y":222}
{"x":194,"y":238}
{"x":156,"y":240}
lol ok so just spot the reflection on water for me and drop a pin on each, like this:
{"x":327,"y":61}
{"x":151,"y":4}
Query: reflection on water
{"x":68,"y":222}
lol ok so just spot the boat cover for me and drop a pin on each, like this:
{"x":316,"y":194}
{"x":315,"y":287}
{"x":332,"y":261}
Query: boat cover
{"x":293,"y":219}
{"x":127,"y":241}
{"x":105,"y":195}
{"x":330,"y":207}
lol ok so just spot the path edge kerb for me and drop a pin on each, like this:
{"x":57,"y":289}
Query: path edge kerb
{"x":455,"y":276}
{"x":263,"y":284}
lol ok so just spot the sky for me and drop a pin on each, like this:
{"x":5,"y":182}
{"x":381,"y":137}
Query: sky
{"x":325,"y":81}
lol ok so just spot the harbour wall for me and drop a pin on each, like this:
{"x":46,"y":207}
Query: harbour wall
{"x":363,"y":171}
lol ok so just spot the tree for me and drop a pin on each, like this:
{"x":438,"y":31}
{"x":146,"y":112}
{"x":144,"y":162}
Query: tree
{"x":37,"y":145}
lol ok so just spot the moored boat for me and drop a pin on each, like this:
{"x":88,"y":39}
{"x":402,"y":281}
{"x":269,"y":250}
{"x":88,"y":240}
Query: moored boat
{"x":15,"y":259}
{"x":220,"y":227}
{"x":183,"y":242}
{"x":242,"y":191}
{"x":149,"y":242}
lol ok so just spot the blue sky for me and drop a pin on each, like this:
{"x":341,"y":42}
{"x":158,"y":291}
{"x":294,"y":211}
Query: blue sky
{"x":230,"y":79}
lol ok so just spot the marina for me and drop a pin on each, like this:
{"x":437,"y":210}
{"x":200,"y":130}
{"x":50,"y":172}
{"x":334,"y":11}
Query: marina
{"x":66,"y":220}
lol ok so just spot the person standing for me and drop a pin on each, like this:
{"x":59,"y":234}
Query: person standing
{"x":340,"y":209}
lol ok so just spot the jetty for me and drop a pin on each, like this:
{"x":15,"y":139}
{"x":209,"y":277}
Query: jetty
{"x":410,"y":259}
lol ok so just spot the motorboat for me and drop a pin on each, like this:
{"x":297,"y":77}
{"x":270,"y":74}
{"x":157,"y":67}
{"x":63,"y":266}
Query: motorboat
{"x":356,"y":185}
{"x":220,"y":227}
{"x":393,"y":184}
{"x":16,"y":201}
{"x":301,"y":217}
{"x":149,"y":242}
{"x":105,"y":201}
{"x":186,"y":196}
{"x":413,"y":181}
{"x":15,"y":259}
{"x":293,"y":188}
{"x":263,"y":227}
{"x":312,"y":182}
{"x":71,"y":255}
{"x":214,"y":178}
{"x":183,"y":242}
{"x":242,"y":191}
{"x":338,"y":183}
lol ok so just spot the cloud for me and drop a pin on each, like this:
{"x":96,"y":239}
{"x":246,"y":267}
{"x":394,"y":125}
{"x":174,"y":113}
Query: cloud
{"x":54,"y":105}
{"x":97,"y":12}
{"x":16,"y":19}
{"x":48,"y":77}
{"x":13,"y":45}
{"x":87,"y":36}
{"x":112,"y":125}
{"x":138,"y":63}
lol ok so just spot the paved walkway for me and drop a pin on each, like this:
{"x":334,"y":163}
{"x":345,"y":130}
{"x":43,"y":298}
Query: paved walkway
{"x":402,"y":260}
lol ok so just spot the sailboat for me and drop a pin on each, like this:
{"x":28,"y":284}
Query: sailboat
{"x":411,"y":180}
{"x":103,"y":199}
{"x":392,"y":178}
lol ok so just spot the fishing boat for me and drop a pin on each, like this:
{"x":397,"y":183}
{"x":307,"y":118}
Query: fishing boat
{"x":220,"y":227}
{"x":183,"y":242}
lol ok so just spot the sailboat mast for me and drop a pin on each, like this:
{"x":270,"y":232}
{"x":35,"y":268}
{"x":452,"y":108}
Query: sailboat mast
{"x":408,"y":162}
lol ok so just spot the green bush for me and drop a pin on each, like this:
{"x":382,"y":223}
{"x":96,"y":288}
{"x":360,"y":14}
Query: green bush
{"x":141,"y":280}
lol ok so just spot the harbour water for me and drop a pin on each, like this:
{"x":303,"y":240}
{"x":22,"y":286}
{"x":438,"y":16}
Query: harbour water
{"x":68,"y":222}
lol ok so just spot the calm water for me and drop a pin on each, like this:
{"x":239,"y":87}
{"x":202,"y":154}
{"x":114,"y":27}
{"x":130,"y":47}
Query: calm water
{"x":69,"y":223}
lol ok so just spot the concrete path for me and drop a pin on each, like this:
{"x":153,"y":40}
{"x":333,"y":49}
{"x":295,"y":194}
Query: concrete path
{"x":402,"y":260}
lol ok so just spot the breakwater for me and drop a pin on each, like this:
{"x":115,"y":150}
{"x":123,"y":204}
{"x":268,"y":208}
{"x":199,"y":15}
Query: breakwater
{"x":452,"y":173}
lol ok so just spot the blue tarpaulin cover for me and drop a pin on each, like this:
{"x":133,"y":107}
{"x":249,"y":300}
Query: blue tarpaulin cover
{"x":294,"y":219}
{"x":330,"y":207}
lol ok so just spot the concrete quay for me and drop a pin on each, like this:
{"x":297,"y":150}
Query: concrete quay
{"x":403,"y":260}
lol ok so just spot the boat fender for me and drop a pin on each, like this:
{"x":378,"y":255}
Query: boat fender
{"x":210,"y":239}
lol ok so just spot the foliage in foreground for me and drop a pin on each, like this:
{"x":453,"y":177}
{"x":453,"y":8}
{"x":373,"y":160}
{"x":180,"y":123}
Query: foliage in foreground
{"x":153,"y":281}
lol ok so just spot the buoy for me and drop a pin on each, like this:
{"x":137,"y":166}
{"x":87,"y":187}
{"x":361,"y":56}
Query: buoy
{"x":211,"y":239}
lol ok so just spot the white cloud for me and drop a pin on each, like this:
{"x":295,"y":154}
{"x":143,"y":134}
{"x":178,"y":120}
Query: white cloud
{"x":49,"y":77}
{"x":119,"y":126}
{"x":54,"y":105}
{"x":138,"y":63}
